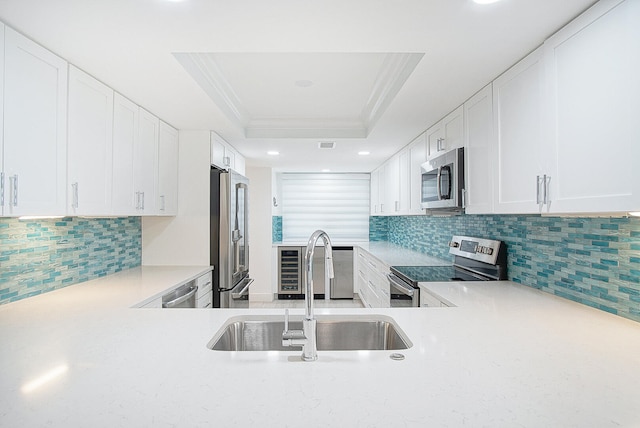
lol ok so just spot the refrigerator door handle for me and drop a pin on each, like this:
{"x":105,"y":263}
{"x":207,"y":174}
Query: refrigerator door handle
{"x":237,"y":233}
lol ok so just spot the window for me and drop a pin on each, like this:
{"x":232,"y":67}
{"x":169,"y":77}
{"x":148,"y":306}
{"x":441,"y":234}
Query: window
{"x":335,"y":203}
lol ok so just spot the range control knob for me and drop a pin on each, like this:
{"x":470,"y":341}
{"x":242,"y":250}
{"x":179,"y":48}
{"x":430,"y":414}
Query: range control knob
{"x":454,"y":244}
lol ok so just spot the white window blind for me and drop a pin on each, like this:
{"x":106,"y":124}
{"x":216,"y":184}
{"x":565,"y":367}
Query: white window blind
{"x":335,"y":203}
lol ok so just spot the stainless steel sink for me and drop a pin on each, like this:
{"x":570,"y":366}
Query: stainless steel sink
{"x":334,"y":333}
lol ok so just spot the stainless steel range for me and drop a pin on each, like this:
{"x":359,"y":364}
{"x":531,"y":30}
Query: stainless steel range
{"x":475,"y":259}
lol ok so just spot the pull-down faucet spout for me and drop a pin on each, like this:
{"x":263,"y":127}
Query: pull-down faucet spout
{"x":292,"y":337}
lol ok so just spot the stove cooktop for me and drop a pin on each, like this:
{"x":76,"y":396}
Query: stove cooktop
{"x":415,"y":274}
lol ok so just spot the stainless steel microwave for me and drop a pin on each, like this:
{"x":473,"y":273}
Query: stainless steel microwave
{"x":443,"y":181}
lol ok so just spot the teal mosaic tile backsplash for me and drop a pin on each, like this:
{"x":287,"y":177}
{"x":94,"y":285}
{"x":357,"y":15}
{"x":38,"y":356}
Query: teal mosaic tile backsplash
{"x":276,"y":228}
{"x":594,"y":261}
{"x":37,"y":256}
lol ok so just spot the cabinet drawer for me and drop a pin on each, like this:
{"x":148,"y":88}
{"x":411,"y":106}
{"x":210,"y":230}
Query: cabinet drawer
{"x":204,"y":284}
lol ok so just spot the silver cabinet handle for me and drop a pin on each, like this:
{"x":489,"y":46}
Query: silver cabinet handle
{"x":137,"y":200}
{"x":74,"y":196}
{"x":397,"y":206}
{"x":537,"y":189}
{"x":545,"y":189}
{"x":13,"y":183}
{"x":161,"y":202}
{"x":381,"y":208}
{"x":142,"y":204}
{"x":226,"y":160}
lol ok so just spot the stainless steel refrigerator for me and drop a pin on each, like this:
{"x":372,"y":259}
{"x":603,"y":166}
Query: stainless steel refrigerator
{"x":229,"y":231}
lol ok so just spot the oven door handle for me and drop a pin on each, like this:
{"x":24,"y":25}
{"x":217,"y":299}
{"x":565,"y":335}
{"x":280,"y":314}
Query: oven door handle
{"x":400,"y":285}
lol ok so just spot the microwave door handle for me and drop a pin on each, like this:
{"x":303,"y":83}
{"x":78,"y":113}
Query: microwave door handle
{"x":439,"y":183}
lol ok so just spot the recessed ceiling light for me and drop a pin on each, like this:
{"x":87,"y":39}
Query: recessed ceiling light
{"x":273,"y":153}
{"x":485,"y":1}
{"x":364,"y":153}
{"x":303,"y":83}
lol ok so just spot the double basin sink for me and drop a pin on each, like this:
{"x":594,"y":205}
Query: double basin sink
{"x":334,"y":333}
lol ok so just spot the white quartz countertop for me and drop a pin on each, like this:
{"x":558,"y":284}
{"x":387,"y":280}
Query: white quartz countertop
{"x":505,"y":356}
{"x":395,"y":255}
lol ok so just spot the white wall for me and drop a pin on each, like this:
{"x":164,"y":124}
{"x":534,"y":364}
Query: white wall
{"x":183,"y":240}
{"x":260,"y":247}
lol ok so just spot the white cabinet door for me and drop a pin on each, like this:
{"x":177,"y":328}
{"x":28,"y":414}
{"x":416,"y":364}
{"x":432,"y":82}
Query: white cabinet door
{"x":593,"y":69}
{"x":517,"y":107}
{"x":146,"y":163}
{"x":168,"y":170}
{"x":417,"y":156}
{"x":479,"y":146}
{"x":2,"y":175}
{"x":217,"y":150}
{"x":404,"y":183}
{"x":90,"y":133}
{"x":446,"y":135}
{"x":240,"y":164}
{"x":35,"y":128}
{"x":374,"y":183}
{"x":125,"y":143}
{"x":392,"y":186}
{"x":382,"y":191}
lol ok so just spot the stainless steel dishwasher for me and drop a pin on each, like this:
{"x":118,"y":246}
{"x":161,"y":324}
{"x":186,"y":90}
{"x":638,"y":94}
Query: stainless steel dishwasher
{"x":341,"y":287}
{"x":182,"y":297}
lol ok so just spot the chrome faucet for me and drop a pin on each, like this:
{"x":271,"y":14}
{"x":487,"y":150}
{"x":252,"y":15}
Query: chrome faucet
{"x":307,"y":336}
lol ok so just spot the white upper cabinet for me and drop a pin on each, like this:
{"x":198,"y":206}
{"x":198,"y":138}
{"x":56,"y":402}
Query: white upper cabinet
{"x":167,"y":201}
{"x":478,"y":156}
{"x":35,"y":129}
{"x":374,"y":202}
{"x":224,"y":156}
{"x":146,"y":163}
{"x":404,"y":185}
{"x":445,"y":135}
{"x":417,"y":156}
{"x":2,"y":182}
{"x":90,"y":156}
{"x":125,"y":142}
{"x":391,"y":204}
{"x":518,"y":167}
{"x":593,"y":100}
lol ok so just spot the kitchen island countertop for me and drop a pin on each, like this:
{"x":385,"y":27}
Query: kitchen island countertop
{"x":506,"y":355}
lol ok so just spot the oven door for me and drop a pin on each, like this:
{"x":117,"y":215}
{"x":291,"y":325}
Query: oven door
{"x":403,"y":295}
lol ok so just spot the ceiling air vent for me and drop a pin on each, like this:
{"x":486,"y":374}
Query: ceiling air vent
{"x":326,"y":144}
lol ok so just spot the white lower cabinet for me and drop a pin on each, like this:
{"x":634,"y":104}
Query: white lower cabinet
{"x":371,"y":280}
{"x":204,"y":296}
{"x":429,"y":300}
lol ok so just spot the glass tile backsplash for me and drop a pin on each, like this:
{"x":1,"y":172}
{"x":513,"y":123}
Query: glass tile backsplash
{"x":594,"y":261}
{"x":276,"y":228}
{"x":37,"y":256}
